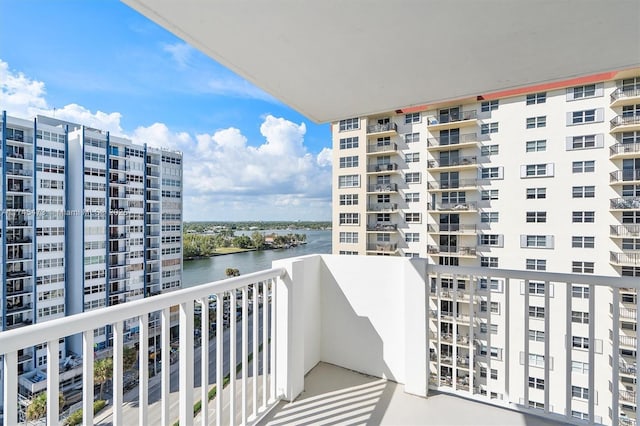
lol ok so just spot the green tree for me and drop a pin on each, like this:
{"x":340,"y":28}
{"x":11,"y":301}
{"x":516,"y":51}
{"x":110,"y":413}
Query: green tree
{"x":38,"y":406}
{"x":232,"y":272}
{"x":129,"y":358}
{"x":102,"y":372}
{"x":258,"y":240}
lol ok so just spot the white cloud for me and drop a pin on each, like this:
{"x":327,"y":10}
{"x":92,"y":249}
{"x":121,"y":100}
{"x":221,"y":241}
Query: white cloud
{"x":180,"y":52}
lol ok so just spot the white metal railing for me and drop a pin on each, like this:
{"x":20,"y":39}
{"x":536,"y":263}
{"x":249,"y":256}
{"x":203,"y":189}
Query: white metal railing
{"x":250,"y":293}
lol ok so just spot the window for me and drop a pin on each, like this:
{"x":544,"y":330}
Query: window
{"x":491,"y":173}
{"x":492,"y":327}
{"x":412,"y":137}
{"x":582,"y":267}
{"x":583,"y":217}
{"x":347,"y":143}
{"x":534,"y":122}
{"x":348,"y":199}
{"x":534,"y":170}
{"x":581,"y":92}
{"x":536,"y":217}
{"x":490,"y":240}
{"x":580,"y":342}
{"x":536,"y":98}
{"x":489,"y":150}
{"x":583,"y":191}
{"x":346,"y":162}
{"x":454,"y":197}
{"x":410,"y":254}
{"x":536,"y":146}
{"x":536,"y":311}
{"x":536,"y":383}
{"x":349,"y":218}
{"x":348,"y":252}
{"x":489,"y":194}
{"x":412,"y":197}
{"x":583,"y":242}
{"x":630,"y":271}
{"x":412,"y":217}
{"x":580,"y":291}
{"x":580,"y":367}
{"x":579,"y":415}
{"x":631,"y":244}
{"x":586,"y":116}
{"x":413,"y":117}
{"x":349,"y":237}
{"x":536,"y":264}
{"x":349,"y":124}
{"x":495,"y":307}
{"x":487,"y":128}
{"x":489,"y":106}
{"x":413,"y":177}
{"x":533,"y":193}
{"x":536,"y":241}
{"x":579,"y":392}
{"x":489,"y":217}
{"x":349,"y":181}
{"x":489,"y":262}
{"x":412,"y":237}
{"x":583,"y":142}
{"x":493,"y":283}
{"x":412,"y":157}
{"x":536,"y":287}
{"x":583,"y":166}
{"x":536,"y":335}
{"x":536,"y":360}
{"x":580,"y":317}
{"x":494,"y":373}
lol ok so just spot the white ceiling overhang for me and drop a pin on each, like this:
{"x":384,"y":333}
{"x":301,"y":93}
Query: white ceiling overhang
{"x":331,"y":59}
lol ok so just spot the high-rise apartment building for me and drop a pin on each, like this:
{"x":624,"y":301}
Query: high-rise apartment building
{"x":545,"y":178}
{"x":90,"y":220}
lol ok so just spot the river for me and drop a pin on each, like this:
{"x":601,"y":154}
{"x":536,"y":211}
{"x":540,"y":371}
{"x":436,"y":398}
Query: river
{"x":202,"y":271}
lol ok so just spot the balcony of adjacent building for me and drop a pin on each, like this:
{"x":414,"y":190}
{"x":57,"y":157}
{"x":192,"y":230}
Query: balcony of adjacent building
{"x":625,"y":203}
{"x":383,"y":168}
{"x":453,"y":141}
{"x":450,"y":118}
{"x":452,"y":228}
{"x":18,"y":155}
{"x":382,"y":248}
{"x":625,"y":258}
{"x":462,"y":184}
{"x":452,"y":251}
{"x":453,"y":207}
{"x":17,"y":170}
{"x":625,"y":177}
{"x":448,"y":163}
{"x":626,"y":94}
{"x":627,"y":121}
{"x":623,"y":150}
{"x":18,"y":135}
{"x":17,"y":186}
{"x":382,"y":127}
{"x":383,"y":226}
{"x":382,"y":188}
{"x":624,"y":230}
{"x":383,"y":147}
{"x":382,"y":208}
{"x":305,"y":323}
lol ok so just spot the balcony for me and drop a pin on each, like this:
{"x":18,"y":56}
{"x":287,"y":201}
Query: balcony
{"x":328,"y":325}
{"x":15,"y":171}
{"x":628,"y":341}
{"x":624,"y":150}
{"x":455,"y":251}
{"x":622,"y":231}
{"x":449,"y":121}
{"x":382,"y":227}
{"x":382,"y":208}
{"x":382,"y":129}
{"x":626,"y":258}
{"x":628,"y":396}
{"x":622,"y":177}
{"x":390,"y":148}
{"x":625,"y":203}
{"x":622,"y":123}
{"x":382,"y":168}
{"x":451,"y":228}
{"x":625,"y":96}
{"x":390,"y":248}
{"x":460,"y":184}
{"x":464,"y":207}
{"x":383,"y":187}
{"x":459,"y":163}
{"x":468,"y":140}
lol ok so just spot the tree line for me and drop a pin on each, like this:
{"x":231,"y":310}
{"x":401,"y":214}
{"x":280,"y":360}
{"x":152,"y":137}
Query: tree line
{"x":205,"y":245}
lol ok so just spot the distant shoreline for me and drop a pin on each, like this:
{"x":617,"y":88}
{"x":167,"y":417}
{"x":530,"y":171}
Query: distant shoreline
{"x":233,"y":250}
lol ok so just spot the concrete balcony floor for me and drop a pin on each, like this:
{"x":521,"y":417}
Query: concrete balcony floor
{"x":337,"y":396}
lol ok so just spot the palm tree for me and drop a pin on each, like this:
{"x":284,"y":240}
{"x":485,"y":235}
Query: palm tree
{"x":129,"y":358}
{"x":102,"y":371}
{"x":38,"y":406}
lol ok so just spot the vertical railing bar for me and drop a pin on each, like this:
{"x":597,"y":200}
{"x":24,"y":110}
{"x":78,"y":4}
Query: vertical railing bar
{"x":204,"y":360}
{"x":143,"y":373}
{"x":219,"y":343}
{"x":117,"y":373}
{"x":454,"y":331}
{"x":53,"y":382}
{"x":232,"y":357}
{"x":526,"y":344}
{"x":439,"y":329}
{"x":273,"y":308}
{"x":10,"y":399}
{"x":568,"y":339}
{"x":245,"y":354}
{"x":165,"y":369}
{"x":265,"y":343}
{"x":255,"y":311}
{"x":87,"y":374}
{"x":186,"y":363}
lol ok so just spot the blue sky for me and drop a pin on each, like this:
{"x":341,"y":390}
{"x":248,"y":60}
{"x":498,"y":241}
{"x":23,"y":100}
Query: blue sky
{"x":100,"y":63}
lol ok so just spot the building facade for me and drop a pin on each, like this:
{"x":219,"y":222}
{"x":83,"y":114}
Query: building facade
{"x":545,"y":178}
{"x":90,"y":220}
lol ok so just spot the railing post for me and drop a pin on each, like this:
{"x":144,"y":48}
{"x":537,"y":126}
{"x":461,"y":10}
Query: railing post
{"x":290,"y":331}
{"x":143,"y":375}
{"x":10,"y":366}
{"x":165,"y":369}
{"x":87,"y":374}
{"x":186,"y":363}
{"x":117,"y":373}
{"x":415,"y":315}
{"x":53,"y":382}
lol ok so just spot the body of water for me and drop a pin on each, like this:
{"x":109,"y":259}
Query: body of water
{"x":202,"y":271}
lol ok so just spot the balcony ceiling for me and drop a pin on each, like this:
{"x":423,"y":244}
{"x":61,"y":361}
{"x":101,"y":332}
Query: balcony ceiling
{"x":331,"y":59}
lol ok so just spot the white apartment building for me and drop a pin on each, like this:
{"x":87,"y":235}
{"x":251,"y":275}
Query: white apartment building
{"x":91,"y":220}
{"x":544,"y":178}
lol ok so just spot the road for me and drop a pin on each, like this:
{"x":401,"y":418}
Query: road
{"x":130,"y":407}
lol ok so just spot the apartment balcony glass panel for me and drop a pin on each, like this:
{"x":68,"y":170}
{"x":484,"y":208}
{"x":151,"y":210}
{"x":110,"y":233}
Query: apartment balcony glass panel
{"x":382,"y":148}
{"x":382,"y":168}
{"x":462,"y":207}
{"x":382,"y":128}
{"x":452,"y":119}
{"x":382,"y":227}
{"x":382,"y":207}
{"x":454,"y":163}
{"x":456,"y":251}
{"x":385,"y":187}
{"x":382,"y":247}
{"x":625,"y":203}
{"x":451,"y":228}
{"x":453,"y":141}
